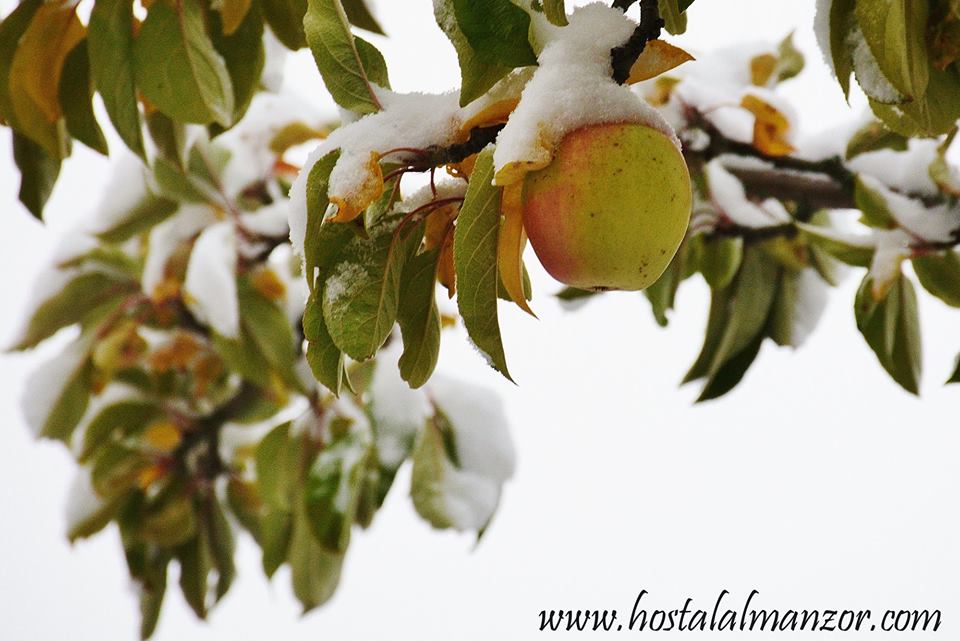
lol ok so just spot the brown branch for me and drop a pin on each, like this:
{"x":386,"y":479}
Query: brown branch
{"x":651,"y":24}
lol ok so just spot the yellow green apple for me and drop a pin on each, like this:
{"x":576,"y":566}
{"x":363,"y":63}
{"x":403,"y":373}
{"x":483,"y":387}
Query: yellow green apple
{"x":611,"y":209}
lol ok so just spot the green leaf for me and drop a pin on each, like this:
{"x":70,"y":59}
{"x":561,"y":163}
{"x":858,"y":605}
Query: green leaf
{"x":664,"y":291}
{"x":275,"y":530}
{"x":674,"y":18}
{"x":315,"y":571}
{"x":419,"y":319}
{"x":95,"y":521}
{"x":873,"y":206}
{"x":843,"y":21}
{"x":269,"y":329}
{"x":497,"y":30}
{"x":196,"y":563}
{"x":570,"y":294}
{"x":11,"y":30}
{"x":350,"y":66}
{"x":333,"y":489}
{"x":277,"y":459}
{"x":324,"y":357}
{"x":38,"y":173}
{"x":555,"y":11}
{"x":361,"y":295}
{"x":836,"y":246}
{"x":76,"y":99}
{"x":70,"y":305}
{"x":790,"y":61}
{"x":873,"y":136}
{"x":169,"y":138}
{"x":285,"y":18}
{"x":720,"y":259}
{"x":735,"y":328}
{"x":149,"y":212}
{"x":891,"y":329}
{"x":955,"y":376}
{"x":243,"y":54}
{"x":939,"y":273}
{"x":895,"y":31}
{"x":114,"y":473}
{"x":177,"y":68}
{"x":359,"y":15}
{"x":243,"y":356}
{"x":934,"y":114}
{"x":475,"y":260}
{"x":476,"y":76}
{"x":110,"y":40}
{"x":116,"y":421}
{"x":323,"y":242}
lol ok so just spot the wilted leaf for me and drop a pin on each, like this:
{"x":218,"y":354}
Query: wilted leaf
{"x":657,"y":57}
{"x":511,"y":241}
{"x":770,"y":128}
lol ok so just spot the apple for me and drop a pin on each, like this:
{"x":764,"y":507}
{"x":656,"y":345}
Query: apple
{"x":611,"y":209}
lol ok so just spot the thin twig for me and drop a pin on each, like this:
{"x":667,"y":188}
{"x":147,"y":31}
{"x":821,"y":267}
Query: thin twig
{"x":651,"y":24}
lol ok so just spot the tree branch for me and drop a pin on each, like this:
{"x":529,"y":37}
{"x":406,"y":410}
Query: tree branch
{"x":651,"y":24}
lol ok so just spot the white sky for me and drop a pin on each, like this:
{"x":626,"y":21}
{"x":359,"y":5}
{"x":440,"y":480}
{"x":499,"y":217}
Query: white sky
{"x":818,"y":481}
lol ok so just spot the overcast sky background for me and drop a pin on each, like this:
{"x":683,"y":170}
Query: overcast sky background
{"x":818,"y":481}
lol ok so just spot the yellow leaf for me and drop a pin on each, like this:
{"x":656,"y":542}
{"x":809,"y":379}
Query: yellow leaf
{"x":762,"y":68}
{"x":438,"y":226}
{"x":35,"y":72}
{"x":175,"y":354}
{"x":491,"y":114}
{"x":148,"y":475}
{"x":352,"y":205}
{"x":162,"y":436}
{"x":205,"y":370}
{"x":446,"y":271}
{"x":657,"y":57}
{"x":266,"y":281}
{"x":510,"y":243}
{"x":662,"y":89}
{"x":464,"y":168}
{"x":294,"y":133}
{"x":232,"y":13}
{"x":770,"y":129}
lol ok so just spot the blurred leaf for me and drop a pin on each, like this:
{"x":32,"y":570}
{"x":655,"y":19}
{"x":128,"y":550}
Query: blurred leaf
{"x":72,"y":303}
{"x":872,"y":137}
{"x":955,"y":376}
{"x":333,"y":486}
{"x":555,"y":11}
{"x":76,"y":98}
{"x":497,"y":30}
{"x":275,"y":531}
{"x":177,"y":68}
{"x":285,"y":18}
{"x":315,"y":571}
{"x":843,"y":21}
{"x":38,"y":173}
{"x":672,"y":12}
{"x":939,"y":273}
{"x":839,"y":247}
{"x":350,"y":66}
{"x":12,"y":29}
{"x":195,"y":566}
{"x":232,"y":15}
{"x":115,"y":470}
{"x":277,"y":458}
{"x":720,"y":260}
{"x":476,"y":76}
{"x":419,"y":318}
{"x":149,"y":212}
{"x":475,"y":258}
{"x":35,"y":73}
{"x":891,"y":329}
{"x":430,"y":460}
{"x":873,"y":206}
{"x":268,"y":327}
{"x":242,"y":50}
{"x":110,"y":38}
{"x":94,"y":521}
{"x":119,"y":419}
{"x":790,"y":60}
{"x":361,"y":296}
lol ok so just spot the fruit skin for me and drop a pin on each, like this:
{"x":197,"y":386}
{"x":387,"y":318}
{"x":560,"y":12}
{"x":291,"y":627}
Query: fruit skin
{"x":611,"y":209}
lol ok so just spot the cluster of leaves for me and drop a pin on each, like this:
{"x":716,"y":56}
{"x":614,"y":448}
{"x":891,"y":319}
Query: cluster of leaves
{"x":764,"y":277}
{"x":163,"y":63}
{"x":905,"y":56}
{"x":183,"y":433}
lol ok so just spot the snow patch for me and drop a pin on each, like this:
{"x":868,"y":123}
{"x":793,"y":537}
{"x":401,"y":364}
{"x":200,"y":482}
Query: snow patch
{"x":167,"y":236}
{"x":210,"y":286}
